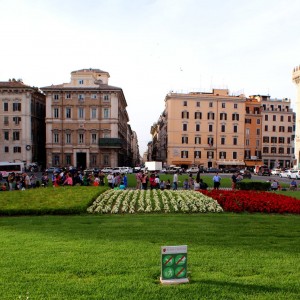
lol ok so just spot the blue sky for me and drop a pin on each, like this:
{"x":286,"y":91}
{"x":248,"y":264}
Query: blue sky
{"x":151,"y":47}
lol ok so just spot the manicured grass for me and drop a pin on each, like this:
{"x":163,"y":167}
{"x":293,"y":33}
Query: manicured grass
{"x":230,"y":256}
{"x":61,"y":200}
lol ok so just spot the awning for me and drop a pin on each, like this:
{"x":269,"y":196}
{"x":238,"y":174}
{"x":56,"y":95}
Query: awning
{"x":230,"y":162}
{"x":252,"y":163}
{"x":179,"y":162}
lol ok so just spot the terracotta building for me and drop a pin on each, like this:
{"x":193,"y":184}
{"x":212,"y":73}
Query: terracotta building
{"x":22,"y":119}
{"x":86,"y":122}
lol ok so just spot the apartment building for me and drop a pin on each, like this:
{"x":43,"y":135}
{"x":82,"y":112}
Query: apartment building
{"x":278,"y":131}
{"x":86,"y":122}
{"x":205,"y":129}
{"x":22,"y":119}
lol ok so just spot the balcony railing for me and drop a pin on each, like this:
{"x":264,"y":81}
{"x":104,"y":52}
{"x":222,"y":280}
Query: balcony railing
{"x":111,"y":143}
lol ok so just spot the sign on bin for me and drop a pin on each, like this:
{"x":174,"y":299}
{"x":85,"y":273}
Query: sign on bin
{"x":174,"y":264}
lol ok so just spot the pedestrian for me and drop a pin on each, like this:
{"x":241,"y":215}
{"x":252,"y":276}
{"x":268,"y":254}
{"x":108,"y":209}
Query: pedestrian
{"x":175,"y":181}
{"x":233,"y":181}
{"x":217,"y":181}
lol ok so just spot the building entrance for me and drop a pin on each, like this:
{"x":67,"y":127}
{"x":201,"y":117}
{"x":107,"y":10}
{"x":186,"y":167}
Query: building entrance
{"x":81,"y":161}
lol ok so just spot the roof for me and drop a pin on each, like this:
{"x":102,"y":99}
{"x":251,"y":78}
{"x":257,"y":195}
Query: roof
{"x":14,"y":84}
{"x":104,"y":87}
{"x":90,"y":70}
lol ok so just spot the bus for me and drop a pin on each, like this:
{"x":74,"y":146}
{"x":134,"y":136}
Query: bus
{"x":9,"y":167}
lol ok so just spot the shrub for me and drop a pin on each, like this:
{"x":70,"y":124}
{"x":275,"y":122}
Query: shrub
{"x":253,"y":185}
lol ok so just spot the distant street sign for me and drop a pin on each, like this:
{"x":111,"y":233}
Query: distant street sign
{"x":174,"y":264}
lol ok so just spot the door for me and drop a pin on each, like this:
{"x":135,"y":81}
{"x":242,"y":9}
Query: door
{"x":81,"y":161}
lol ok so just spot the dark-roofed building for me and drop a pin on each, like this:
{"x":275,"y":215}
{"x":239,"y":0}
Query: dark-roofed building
{"x":86,"y":122}
{"x":22,"y":119}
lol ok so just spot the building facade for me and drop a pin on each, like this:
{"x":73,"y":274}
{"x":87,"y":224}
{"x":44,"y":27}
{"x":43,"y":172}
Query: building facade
{"x":22,"y":119}
{"x":86,"y":122}
{"x":296,"y":80}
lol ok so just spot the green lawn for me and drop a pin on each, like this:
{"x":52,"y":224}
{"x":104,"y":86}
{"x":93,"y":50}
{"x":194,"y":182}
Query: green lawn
{"x":230,"y":256}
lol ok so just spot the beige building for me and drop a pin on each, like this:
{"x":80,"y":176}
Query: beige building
{"x":205,"y":129}
{"x":86,"y":122}
{"x":296,"y":80}
{"x":278,"y":131}
{"x":22,"y":119}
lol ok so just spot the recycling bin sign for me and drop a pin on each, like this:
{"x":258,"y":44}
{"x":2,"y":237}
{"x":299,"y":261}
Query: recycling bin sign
{"x":174,"y":264}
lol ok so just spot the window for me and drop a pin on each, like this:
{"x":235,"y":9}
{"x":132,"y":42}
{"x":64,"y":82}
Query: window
{"x":235,"y":140}
{"x":223,"y":116}
{"x":274,"y":128}
{"x":210,"y":116}
{"x":55,"y":138}
{"x":106,"y":134}
{"x":94,"y":113}
{"x":16,"y":106}
{"x":235,"y":117}
{"x":235,"y":128}
{"x":223,"y":127}
{"x":105,"y":113}
{"x":274,"y":117}
{"x":5,"y":106}
{"x":17,"y":120}
{"x":94,"y":96}
{"x":274,"y":139}
{"x":68,"y":113}
{"x":247,"y":121}
{"x":184,"y":103}
{"x":80,"y":113}
{"x":281,"y":150}
{"x":80,"y":138}
{"x":6,"y":123}
{"x":106,"y":159}
{"x":266,"y":128}
{"x":197,"y":127}
{"x":281,"y":118}
{"x":210,"y":141}
{"x":290,"y":129}
{"x":6,"y":135}
{"x":281,"y":140}
{"x":184,"y":127}
{"x":106,"y":98}
{"x":6,"y":149}
{"x":235,"y":105}
{"x":223,"y":105}
{"x":197,"y":154}
{"x":184,"y":140}
{"x":289,"y":119}
{"x":222,"y":155}
{"x":288,"y":140}
{"x":68,"y":159}
{"x":16,"y":136}
{"x":198,"y":115}
{"x":68,"y":138}
{"x":234,"y":155}
{"x":281,"y":128}
{"x":80,"y":97}
{"x":247,"y":131}
{"x":273,"y":149}
{"x":55,"y":96}
{"x":198,"y":104}
{"x":185,"y":114}
{"x":197,"y":140}
{"x":222,"y":140}
{"x":68,"y":96}
{"x":56,"y":160}
{"x":55,"y":113}
{"x":266,"y":139}
{"x":94,"y":138}
{"x":80,"y":81}
{"x":247,"y":142}
{"x":210,"y":128}
{"x":265,"y":149}
{"x":93,"y":159}
{"x":257,"y":131}
{"x":184,"y":154}
{"x":210,"y":104}
{"x":17,"y":149}
{"x":210,"y":154}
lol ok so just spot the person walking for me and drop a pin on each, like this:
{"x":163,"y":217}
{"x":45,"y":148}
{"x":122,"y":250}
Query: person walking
{"x":175,"y":181}
{"x":217,"y":181}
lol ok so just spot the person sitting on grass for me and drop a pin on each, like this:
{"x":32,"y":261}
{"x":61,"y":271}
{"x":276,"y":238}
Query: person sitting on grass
{"x":274,"y":185}
{"x":293,"y":185}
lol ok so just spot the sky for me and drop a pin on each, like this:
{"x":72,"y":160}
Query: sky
{"x":152,"y":47}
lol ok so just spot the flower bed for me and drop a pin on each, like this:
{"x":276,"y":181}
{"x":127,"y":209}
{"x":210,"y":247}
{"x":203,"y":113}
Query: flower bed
{"x":252,"y":201}
{"x":137,"y":201}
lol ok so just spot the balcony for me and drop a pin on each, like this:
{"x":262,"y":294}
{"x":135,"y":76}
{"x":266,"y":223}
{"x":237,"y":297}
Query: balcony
{"x":111,"y":143}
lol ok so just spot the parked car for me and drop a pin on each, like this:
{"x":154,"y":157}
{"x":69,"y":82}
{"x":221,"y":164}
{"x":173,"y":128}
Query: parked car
{"x":275,"y":171}
{"x":295,"y":174}
{"x":173,"y":170}
{"x":285,"y":174}
{"x":107,"y":170}
{"x":247,"y":174}
{"x":231,"y":170}
{"x":52,"y":170}
{"x":213,"y":170}
{"x":192,"y":170}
